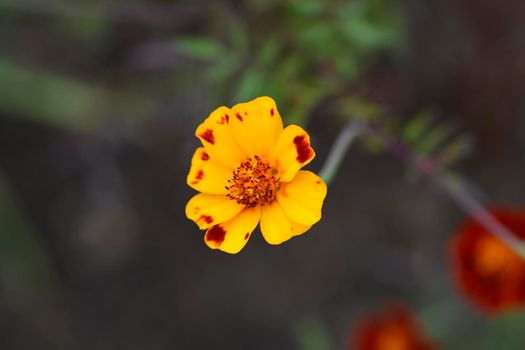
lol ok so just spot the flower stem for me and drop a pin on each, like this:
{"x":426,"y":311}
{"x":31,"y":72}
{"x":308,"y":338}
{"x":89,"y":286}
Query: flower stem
{"x":426,"y":166}
{"x":339,"y":149}
{"x":457,"y":191}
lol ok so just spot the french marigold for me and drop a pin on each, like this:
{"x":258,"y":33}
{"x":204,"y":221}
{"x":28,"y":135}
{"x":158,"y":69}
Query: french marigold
{"x":488,"y":272}
{"x":394,"y":328}
{"x":248,"y":171}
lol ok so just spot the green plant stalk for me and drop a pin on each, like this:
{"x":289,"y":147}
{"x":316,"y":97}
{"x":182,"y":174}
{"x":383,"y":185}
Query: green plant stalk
{"x":427,"y":167}
{"x":453,"y":186}
{"x":341,"y":145}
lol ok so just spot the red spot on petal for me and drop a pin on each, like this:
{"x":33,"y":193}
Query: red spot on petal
{"x":206,"y":218}
{"x":224,"y":119}
{"x":216,"y":235}
{"x":318,"y":182}
{"x":245,"y":113}
{"x":238,"y":116}
{"x":208,"y":136}
{"x":198,"y":177}
{"x":304,"y":151}
{"x":205,"y":156}
{"x":272,"y":112}
{"x":246,"y":236}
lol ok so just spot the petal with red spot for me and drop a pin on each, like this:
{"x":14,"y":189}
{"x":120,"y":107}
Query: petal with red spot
{"x":207,"y":209}
{"x":231,"y":236}
{"x":206,"y":175}
{"x":292,"y":152}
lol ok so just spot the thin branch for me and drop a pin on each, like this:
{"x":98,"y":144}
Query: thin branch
{"x":426,"y":166}
{"x":457,"y":191}
{"x":339,"y":149}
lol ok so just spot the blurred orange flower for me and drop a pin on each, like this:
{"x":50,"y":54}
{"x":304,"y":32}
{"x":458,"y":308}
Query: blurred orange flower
{"x":489,"y":273}
{"x":248,"y":171}
{"x":392,"y":329}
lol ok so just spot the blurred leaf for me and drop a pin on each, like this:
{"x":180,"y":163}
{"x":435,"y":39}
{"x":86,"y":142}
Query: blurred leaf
{"x":445,"y":322}
{"x":357,"y":107}
{"x":239,"y":37}
{"x":317,"y":38}
{"x":288,"y":68}
{"x":296,"y":50}
{"x":373,"y":144}
{"x":223,"y":69}
{"x":307,"y":7}
{"x":26,"y":274}
{"x":201,"y":48}
{"x":299,"y":110}
{"x":312,"y":335}
{"x":392,"y":125}
{"x":417,"y":127}
{"x":370,"y":25}
{"x":48,"y":97}
{"x":63,"y":102}
{"x":90,"y":29}
{"x":367,"y":35}
{"x":267,"y":55}
{"x":434,"y":138}
{"x":249,"y":86}
{"x":455,"y":150}
{"x":506,"y":332}
{"x":347,"y":65}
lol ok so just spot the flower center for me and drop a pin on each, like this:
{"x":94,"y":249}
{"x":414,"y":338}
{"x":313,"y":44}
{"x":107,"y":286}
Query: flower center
{"x":253,"y":183}
{"x":392,"y":338}
{"x":492,"y":256}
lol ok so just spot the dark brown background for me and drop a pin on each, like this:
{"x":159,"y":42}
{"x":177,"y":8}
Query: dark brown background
{"x":96,"y":252}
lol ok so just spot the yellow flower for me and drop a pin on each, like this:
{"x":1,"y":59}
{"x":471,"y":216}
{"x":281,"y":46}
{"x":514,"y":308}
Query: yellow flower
{"x":249,"y":171}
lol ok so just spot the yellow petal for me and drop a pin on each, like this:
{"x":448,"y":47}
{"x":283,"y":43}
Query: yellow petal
{"x":231,"y":236}
{"x":276,"y":227}
{"x":207,"y":210}
{"x":206,"y":175}
{"x":292,"y":152}
{"x":302,"y":198}
{"x":256,"y":126}
{"x":215,"y":136}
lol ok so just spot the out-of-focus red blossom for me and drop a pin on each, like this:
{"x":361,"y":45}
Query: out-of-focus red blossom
{"x":488,"y":272}
{"x":394,"y":328}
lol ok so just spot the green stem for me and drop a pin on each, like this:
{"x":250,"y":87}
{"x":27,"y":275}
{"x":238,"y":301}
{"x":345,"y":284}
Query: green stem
{"x":427,"y":167}
{"x":339,"y":149}
{"x":457,"y":191}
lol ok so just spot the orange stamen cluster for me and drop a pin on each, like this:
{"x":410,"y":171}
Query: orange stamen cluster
{"x":492,"y":256}
{"x":393,"y":337}
{"x":253,"y":183}
{"x":393,"y":328}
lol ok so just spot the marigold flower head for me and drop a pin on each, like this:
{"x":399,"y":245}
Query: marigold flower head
{"x":488,"y":272}
{"x":394,"y":328}
{"x":249,"y":171}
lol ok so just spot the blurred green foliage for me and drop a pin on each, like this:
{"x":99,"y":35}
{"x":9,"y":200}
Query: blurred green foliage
{"x":312,"y":334}
{"x":425,"y":134}
{"x":63,"y":101}
{"x":26,"y":273}
{"x":299,"y":52}
{"x":506,"y":332}
{"x":48,"y":97}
